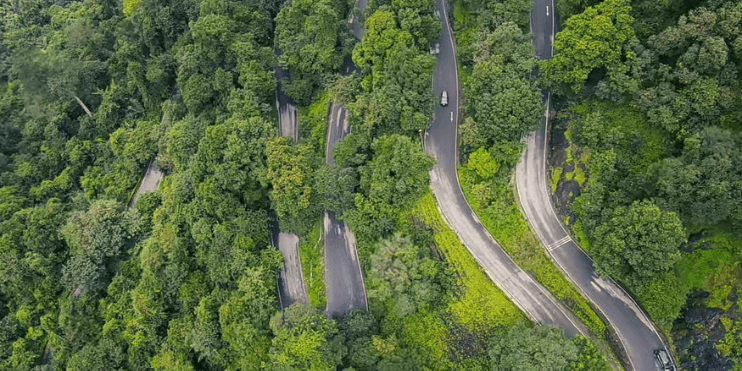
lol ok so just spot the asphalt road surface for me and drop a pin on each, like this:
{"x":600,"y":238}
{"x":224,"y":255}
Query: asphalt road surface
{"x":343,"y":275}
{"x":355,"y":24}
{"x":150,"y":182}
{"x":637,"y":334}
{"x":441,"y":142}
{"x":291,"y":285}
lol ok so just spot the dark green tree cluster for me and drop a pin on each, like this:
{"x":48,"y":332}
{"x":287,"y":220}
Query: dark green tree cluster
{"x":397,"y":68}
{"x":503,"y":101}
{"x":395,"y":177}
{"x":313,"y":38}
{"x":299,"y":184}
{"x":186,"y":279}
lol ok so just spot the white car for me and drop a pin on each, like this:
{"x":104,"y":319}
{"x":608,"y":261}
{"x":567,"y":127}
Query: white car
{"x":444,"y":98}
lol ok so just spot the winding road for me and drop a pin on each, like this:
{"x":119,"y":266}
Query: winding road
{"x":636,"y":332}
{"x":441,"y":142}
{"x":343,"y":276}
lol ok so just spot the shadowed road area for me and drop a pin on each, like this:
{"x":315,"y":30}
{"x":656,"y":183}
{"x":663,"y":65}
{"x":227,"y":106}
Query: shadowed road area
{"x":288,"y":117}
{"x":441,"y":142}
{"x":635,"y":331}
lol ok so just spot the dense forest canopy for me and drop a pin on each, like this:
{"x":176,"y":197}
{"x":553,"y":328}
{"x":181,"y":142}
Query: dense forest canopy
{"x":648,"y":93}
{"x":92,"y":91}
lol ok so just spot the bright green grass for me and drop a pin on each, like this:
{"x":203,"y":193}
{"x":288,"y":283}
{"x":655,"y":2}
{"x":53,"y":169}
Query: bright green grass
{"x":716,"y":271}
{"x":312,"y":264}
{"x":504,"y":220}
{"x":580,"y":176}
{"x":427,"y":332}
{"x":581,"y":236}
{"x":556,"y":175}
{"x":481,"y":307}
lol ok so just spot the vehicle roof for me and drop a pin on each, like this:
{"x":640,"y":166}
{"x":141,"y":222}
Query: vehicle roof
{"x":662,"y":354}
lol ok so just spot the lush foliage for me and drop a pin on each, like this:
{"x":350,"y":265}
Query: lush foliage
{"x":502,"y":103}
{"x":600,"y":37}
{"x":309,"y":35}
{"x":638,"y":243}
{"x":657,"y":129}
{"x":543,"y":348}
{"x":531,"y":349}
{"x":395,"y":177}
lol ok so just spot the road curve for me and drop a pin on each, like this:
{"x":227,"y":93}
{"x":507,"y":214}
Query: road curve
{"x":636,"y":332}
{"x":441,"y":142}
{"x":343,"y":276}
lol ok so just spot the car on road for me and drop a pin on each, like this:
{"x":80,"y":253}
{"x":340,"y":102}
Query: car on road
{"x":435,"y":49}
{"x":664,"y":360}
{"x":444,"y":98}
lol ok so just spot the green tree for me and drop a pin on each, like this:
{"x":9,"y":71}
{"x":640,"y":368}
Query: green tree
{"x":395,"y":177}
{"x":404,"y":272}
{"x":244,"y":319}
{"x":664,"y":297}
{"x":599,"y":37}
{"x":701,"y":184}
{"x":308,"y":35}
{"x":482,"y":163}
{"x":291,"y":171}
{"x":637,"y":243}
{"x":305,"y":339}
{"x":532,"y":349}
{"x":96,"y":238}
{"x":502,"y":100}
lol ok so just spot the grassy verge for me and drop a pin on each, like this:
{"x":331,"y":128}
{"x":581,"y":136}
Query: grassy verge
{"x":312,"y":264}
{"x":581,"y":236}
{"x":502,"y":218}
{"x":480,"y":306}
{"x":556,"y":175}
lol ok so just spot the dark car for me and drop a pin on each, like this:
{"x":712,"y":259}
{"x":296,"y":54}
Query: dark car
{"x":664,"y":360}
